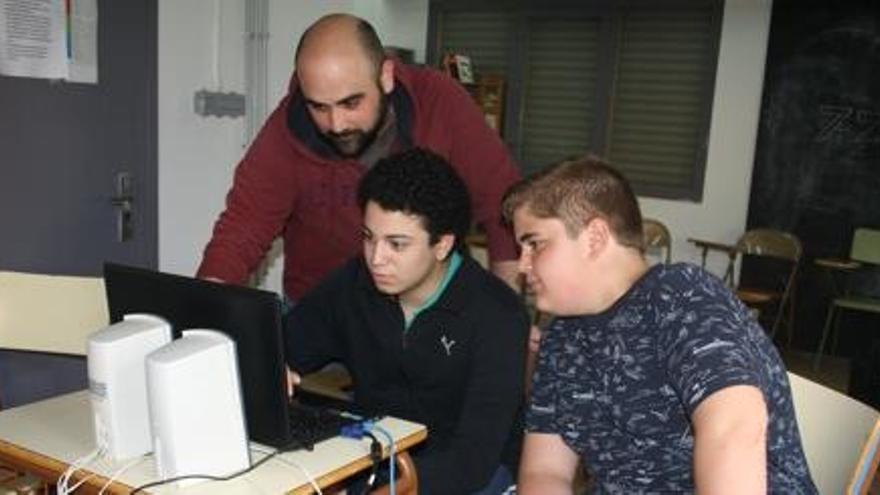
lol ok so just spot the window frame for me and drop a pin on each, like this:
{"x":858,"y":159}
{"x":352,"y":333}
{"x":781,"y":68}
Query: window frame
{"x":611,"y":14}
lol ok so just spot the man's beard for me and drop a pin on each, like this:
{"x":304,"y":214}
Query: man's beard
{"x":352,"y":143}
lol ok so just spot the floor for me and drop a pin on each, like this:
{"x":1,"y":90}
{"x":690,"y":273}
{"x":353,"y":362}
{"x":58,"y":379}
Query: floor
{"x":833,"y":371}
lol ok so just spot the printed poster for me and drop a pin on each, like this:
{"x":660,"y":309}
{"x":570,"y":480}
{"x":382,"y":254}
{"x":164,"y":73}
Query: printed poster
{"x":52,"y":39}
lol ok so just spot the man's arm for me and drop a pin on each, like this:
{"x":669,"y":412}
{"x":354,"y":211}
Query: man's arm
{"x":730,"y":451}
{"x":257,"y":207}
{"x":547,"y":466}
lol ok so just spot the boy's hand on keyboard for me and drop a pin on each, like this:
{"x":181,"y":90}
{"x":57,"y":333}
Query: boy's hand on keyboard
{"x":293,"y":379}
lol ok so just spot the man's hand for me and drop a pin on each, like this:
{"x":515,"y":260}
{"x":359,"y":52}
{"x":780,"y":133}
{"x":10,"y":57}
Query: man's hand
{"x":293,"y":379}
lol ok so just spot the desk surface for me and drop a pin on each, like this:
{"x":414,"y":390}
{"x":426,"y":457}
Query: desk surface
{"x":45,"y":437}
{"x":837,"y":263}
{"x":28,"y":321}
{"x":718,"y":246}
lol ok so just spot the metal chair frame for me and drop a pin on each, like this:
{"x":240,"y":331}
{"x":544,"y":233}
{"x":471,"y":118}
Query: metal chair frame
{"x":865,"y":250}
{"x":657,"y":236}
{"x":775,"y":244}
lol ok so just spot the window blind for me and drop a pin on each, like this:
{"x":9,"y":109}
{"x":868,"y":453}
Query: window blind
{"x":659,"y":108}
{"x":483,"y":36}
{"x":631,"y":80}
{"x":560,"y":81}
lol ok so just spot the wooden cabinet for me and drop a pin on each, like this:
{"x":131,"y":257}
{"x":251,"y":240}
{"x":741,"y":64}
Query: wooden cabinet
{"x":489,"y":95}
{"x":487,"y":89}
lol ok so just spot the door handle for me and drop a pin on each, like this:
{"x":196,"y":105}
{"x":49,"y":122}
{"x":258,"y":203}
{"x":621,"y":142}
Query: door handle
{"x":124,"y":200}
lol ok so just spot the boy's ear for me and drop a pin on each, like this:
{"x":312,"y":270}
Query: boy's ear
{"x":444,"y":246}
{"x":595,"y":237}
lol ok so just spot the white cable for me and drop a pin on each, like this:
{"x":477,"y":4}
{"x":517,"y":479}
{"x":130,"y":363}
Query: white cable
{"x":64,"y":479}
{"x":305,"y":472}
{"x":130,"y":464}
{"x":81,"y":482}
{"x":290,"y":462}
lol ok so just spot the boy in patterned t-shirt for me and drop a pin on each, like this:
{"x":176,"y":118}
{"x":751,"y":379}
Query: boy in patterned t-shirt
{"x":658,"y":378}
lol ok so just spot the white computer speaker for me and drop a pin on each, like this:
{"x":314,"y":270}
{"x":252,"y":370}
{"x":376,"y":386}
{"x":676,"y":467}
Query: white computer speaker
{"x":117,"y":382}
{"x":196,"y":410}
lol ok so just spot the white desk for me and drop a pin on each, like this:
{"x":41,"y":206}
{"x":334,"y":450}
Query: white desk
{"x":46,"y":437}
{"x":50,"y":313}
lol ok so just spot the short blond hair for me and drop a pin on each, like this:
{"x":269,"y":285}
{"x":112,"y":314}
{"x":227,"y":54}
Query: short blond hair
{"x":576,"y":191}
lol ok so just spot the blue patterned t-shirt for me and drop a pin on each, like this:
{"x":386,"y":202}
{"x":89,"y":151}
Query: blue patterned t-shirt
{"x":620,"y":387}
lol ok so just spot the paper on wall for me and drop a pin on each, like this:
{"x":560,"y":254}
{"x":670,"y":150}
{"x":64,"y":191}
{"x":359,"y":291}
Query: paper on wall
{"x":53,"y":39}
{"x":33,"y":38}
{"x":83,"y":62}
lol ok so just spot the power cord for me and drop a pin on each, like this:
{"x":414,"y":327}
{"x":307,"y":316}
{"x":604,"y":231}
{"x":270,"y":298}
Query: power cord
{"x":356,"y":431}
{"x":365,"y":429}
{"x":376,"y":459}
{"x":290,"y":462}
{"x":209,"y":477}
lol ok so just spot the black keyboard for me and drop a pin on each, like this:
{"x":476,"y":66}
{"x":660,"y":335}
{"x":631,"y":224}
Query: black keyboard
{"x":312,"y":424}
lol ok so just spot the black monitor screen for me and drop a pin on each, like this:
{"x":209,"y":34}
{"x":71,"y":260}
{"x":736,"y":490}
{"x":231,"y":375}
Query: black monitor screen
{"x":251,"y":317}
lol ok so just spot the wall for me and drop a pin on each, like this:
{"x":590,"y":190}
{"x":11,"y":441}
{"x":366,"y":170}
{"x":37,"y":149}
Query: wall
{"x":197,"y":155}
{"x":400,"y":23}
{"x":721,"y":216}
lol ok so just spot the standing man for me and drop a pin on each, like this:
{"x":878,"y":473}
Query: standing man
{"x":347,"y":107}
{"x":426,"y":333}
{"x":657,"y":378}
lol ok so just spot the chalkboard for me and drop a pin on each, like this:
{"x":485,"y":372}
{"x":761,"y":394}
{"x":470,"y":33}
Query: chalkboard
{"x":817,"y":165}
{"x":817,"y":160}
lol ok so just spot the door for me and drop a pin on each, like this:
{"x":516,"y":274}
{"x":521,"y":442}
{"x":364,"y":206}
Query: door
{"x":67,"y":147}
{"x":78,"y":172}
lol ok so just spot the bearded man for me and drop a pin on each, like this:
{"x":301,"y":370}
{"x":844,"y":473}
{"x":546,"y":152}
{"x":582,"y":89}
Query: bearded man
{"x":349,"y":106}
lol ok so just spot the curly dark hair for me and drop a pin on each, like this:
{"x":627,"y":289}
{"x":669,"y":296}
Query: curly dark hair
{"x":420,"y":182}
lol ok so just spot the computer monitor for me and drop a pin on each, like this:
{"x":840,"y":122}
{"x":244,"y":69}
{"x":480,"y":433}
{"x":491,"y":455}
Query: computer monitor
{"x":251,"y":317}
